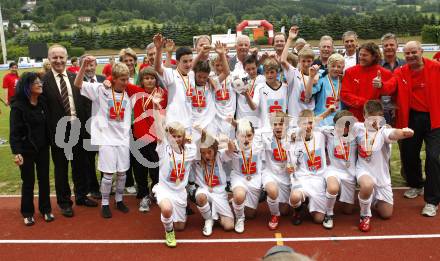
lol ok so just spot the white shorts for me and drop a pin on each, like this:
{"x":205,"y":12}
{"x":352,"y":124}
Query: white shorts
{"x":384,"y":193}
{"x":177,"y":199}
{"x":347,"y":185}
{"x":314,"y":189}
{"x":252,"y":187}
{"x":112,"y":159}
{"x":283,"y":189}
{"x":219,"y":203}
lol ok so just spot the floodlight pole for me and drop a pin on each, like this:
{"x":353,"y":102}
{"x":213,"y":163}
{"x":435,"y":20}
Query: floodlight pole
{"x":2,"y":37}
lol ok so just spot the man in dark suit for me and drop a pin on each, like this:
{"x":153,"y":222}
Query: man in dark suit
{"x":90,"y":169}
{"x":64,"y":100}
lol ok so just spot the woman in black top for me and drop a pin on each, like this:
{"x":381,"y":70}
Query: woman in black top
{"x":30,"y":145}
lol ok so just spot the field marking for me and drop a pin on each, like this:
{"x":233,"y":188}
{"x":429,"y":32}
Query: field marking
{"x":210,"y":241}
{"x":279,"y":238}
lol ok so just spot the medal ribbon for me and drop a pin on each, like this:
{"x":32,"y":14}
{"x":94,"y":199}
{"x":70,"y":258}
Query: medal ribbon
{"x":310,"y":154}
{"x":367,"y":146}
{"x":209,"y":177}
{"x":186,"y":84}
{"x":246,"y":162}
{"x":182,"y":165}
{"x":346,"y":153}
{"x":335,"y":95}
{"x":147,"y":102}
{"x":116,"y":106}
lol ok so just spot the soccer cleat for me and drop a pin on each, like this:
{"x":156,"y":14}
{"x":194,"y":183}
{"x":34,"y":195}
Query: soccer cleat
{"x":144,"y":206}
{"x":429,"y":210}
{"x":122,"y":207}
{"x":170,"y":239}
{"x":413,"y":192}
{"x":297,"y":216}
{"x":273,"y":222}
{"x":105,"y":211}
{"x":364,"y":224}
{"x":328,"y":222}
{"x":207,"y":229}
{"x":29,"y":221}
{"x":239,"y":225}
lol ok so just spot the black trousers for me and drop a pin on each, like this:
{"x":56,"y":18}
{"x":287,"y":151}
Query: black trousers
{"x":90,"y":170}
{"x":40,"y":162}
{"x":129,"y":182}
{"x":141,"y":172}
{"x":410,"y":156}
{"x":79,"y":177}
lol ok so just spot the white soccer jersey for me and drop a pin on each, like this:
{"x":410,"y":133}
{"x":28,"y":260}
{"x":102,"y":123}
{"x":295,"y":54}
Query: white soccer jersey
{"x":243,"y":109}
{"x":309,"y":156}
{"x":245,"y":168}
{"x":225,"y":99}
{"x":174,"y":169}
{"x":180,"y":89}
{"x":296,"y":91}
{"x":203,"y":106}
{"x":276,"y":158}
{"x":207,"y":177}
{"x":342,"y":158}
{"x":376,"y":165}
{"x":111,"y":115}
{"x":269,"y":101}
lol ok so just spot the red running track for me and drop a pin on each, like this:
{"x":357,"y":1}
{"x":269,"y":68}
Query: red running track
{"x":308,"y":238}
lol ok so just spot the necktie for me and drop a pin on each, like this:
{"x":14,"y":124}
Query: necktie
{"x":64,"y":95}
{"x":92,"y":80}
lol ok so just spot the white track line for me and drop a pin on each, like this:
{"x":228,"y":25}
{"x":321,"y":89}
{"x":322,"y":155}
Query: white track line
{"x":230,"y":240}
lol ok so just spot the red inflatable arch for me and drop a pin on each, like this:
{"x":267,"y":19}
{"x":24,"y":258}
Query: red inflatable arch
{"x":256,"y":23}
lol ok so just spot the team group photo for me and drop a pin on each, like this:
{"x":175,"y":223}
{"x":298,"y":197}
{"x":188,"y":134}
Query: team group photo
{"x":276,"y":141}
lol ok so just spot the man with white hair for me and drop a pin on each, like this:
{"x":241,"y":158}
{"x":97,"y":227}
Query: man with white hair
{"x":63,"y":100}
{"x":351,"y":54}
{"x":299,"y":44}
{"x":325,"y":51}
{"x":242,"y":46}
{"x":417,"y":96}
{"x":151,"y":53}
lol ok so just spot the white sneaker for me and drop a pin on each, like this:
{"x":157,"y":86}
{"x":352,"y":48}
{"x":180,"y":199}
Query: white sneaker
{"x":413,"y":192}
{"x":144,"y":206}
{"x":207,"y":229}
{"x":239,"y":225}
{"x":131,"y":190}
{"x":429,"y":210}
{"x":328,"y":222}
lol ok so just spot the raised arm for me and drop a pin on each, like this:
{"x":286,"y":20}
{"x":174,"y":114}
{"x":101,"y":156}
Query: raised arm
{"x":80,"y":76}
{"x":158,"y":119}
{"x":293,"y":32}
{"x":400,"y":134}
{"x":158,"y":41}
{"x":169,"y":48}
{"x":313,"y":71}
{"x":203,"y":55}
{"x":220,"y":49}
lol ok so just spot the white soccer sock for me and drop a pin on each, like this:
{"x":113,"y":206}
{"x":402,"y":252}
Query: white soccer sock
{"x":167,"y":223}
{"x":238,"y":210}
{"x":274,"y":206}
{"x":205,"y":211}
{"x":120,"y":185}
{"x":106,"y":188}
{"x":365,"y":205}
{"x":330,"y":203}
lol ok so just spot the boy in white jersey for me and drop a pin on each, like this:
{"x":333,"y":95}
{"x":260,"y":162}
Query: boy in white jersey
{"x":275,"y":174}
{"x":271,"y":96}
{"x":297,"y":78}
{"x":211,"y":196}
{"x":110,"y":130}
{"x":309,"y":158}
{"x":372,"y":168}
{"x":179,"y":84}
{"x":225,"y":96}
{"x":340,"y":174}
{"x":175,"y":160}
{"x":246,"y":155}
{"x":252,"y":81}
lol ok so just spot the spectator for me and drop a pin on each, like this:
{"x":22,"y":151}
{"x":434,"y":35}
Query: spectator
{"x":9,"y":82}
{"x":351,"y":54}
{"x":242,"y":46}
{"x":75,"y":67}
{"x":107,"y":70}
{"x":325,"y":50}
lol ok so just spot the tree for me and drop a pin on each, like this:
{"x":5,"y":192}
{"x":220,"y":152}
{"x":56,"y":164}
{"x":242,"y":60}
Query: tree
{"x":64,"y":21}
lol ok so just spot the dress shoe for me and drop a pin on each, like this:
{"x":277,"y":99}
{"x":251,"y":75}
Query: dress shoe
{"x":67,"y":212}
{"x":86,"y":202}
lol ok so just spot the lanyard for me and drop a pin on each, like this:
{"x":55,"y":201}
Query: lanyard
{"x":247,"y":162}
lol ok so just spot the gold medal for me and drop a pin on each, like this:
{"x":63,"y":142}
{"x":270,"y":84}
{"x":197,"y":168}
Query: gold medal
{"x":177,"y":181}
{"x":209,"y":176}
{"x":117,"y":105}
{"x":182,"y":166}
{"x":211,"y":190}
{"x":347,"y":164}
{"x":248,"y":178}
{"x":247,"y":164}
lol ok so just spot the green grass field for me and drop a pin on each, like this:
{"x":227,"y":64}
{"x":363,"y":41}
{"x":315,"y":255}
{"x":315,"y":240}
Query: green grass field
{"x":10,"y":175}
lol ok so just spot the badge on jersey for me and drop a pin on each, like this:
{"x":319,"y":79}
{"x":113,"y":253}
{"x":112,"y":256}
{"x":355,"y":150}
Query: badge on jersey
{"x":199,"y":99}
{"x":251,"y":168}
{"x":177,"y":175}
{"x":116,"y":110}
{"x":278,"y":154}
{"x":275,"y":105}
{"x":314,"y":161}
